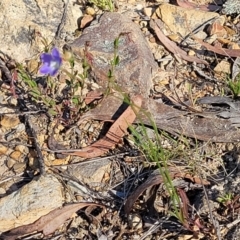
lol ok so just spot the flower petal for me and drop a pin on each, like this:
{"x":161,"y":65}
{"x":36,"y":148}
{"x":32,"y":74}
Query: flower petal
{"x":58,"y":61}
{"x":46,"y":58}
{"x":55,"y":53}
{"x":51,"y":62}
{"x":53,"y":71}
{"x":45,"y":69}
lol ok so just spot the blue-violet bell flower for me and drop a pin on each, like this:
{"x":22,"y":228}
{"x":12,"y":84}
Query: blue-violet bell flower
{"x":51,"y":62}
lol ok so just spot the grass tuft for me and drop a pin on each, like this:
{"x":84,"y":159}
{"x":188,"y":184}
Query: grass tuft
{"x":106,"y":5}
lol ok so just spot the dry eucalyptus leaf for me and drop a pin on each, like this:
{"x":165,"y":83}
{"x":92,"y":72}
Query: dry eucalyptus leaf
{"x":154,"y":179}
{"x":48,"y":223}
{"x":172,"y":46}
{"x":114,"y":134}
{"x":221,"y":51}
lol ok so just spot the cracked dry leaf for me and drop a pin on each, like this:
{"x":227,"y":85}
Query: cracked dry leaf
{"x":47,"y":223}
{"x":114,"y":134}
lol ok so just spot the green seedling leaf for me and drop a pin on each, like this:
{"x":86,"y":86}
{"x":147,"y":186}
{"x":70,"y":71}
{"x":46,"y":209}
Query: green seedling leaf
{"x":75,"y":100}
{"x":52,"y":112}
{"x":110,"y":73}
{"x":116,"y":61}
{"x":72,"y":62}
{"x":70,"y":75}
{"x":35,"y":93}
{"x":85,"y":64}
{"x":235,"y":87}
{"x":81,"y":76}
{"x":116,"y":43}
{"x":106,"y":5}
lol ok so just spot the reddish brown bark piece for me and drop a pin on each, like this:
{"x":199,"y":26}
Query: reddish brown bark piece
{"x":114,"y":134}
{"x":157,"y":179}
{"x":48,"y":223}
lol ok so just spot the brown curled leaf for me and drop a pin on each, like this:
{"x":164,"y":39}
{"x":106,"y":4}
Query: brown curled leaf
{"x":114,"y":134}
{"x":172,"y":46}
{"x":221,"y":51}
{"x":47,"y":223}
{"x":155,"y":179}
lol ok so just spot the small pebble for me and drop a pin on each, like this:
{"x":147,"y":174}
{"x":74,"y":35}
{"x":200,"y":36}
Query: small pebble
{"x":9,"y":122}
{"x":22,"y":149}
{"x":16,"y":155}
{"x":3,"y":149}
{"x":20,"y":128}
{"x":131,"y":1}
{"x":2,"y":191}
{"x":19,"y":167}
{"x":139,"y":7}
{"x":90,"y":11}
{"x":191,"y":53}
{"x":143,"y":23}
{"x":10,"y":162}
{"x":13,"y":101}
{"x":148,"y":11}
{"x":33,"y":163}
{"x":152,"y":40}
{"x":135,"y":221}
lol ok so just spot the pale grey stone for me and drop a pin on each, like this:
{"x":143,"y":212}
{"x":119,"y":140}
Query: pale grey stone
{"x":23,"y":21}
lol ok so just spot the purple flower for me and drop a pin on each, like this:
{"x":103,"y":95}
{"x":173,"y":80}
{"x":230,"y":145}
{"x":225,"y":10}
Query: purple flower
{"x":51,"y":62}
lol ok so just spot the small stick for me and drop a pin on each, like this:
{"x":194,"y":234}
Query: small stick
{"x":35,"y":142}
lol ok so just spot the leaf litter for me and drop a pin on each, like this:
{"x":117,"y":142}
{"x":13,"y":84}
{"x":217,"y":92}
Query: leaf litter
{"x":48,"y":223}
{"x":216,"y":161}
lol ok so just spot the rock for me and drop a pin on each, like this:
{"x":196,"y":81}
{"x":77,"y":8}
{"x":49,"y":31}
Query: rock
{"x":182,"y":20}
{"x":217,"y":29}
{"x":10,"y":162}
{"x":148,"y":11}
{"x":135,"y":221}
{"x":3,"y":165}
{"x":24,"y":22}
{"x":26,"y":205}
{"x":223,"y":67}
{"x":13,"y":101}
{"x":33,"y":163}
{"x":2,"y":191}
{"x":16,"y":155}
{"x":136,"y":65}
{"x":9,"y":122}
{"x":21,"y":148}
{"x":19,"y":167}
{"x":191,"y":53}
{"x":20,"y":128}
{"x":139,"y":7}
{"x":3,"y":149}
{"x":90,"y":11}
{"x":133,"y":76}
{"x":91,"y":174}
{"x":85,"y":21}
